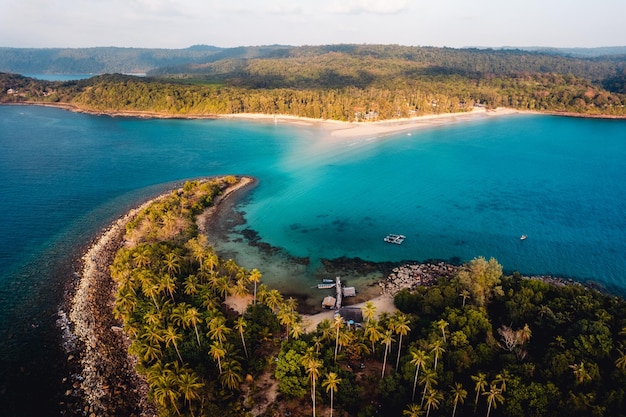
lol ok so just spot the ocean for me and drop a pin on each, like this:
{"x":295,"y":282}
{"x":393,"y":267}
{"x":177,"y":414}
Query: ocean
{"x":456,"y":192}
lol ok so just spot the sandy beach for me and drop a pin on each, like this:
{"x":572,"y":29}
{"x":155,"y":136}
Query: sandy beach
{"x":350,"y":130}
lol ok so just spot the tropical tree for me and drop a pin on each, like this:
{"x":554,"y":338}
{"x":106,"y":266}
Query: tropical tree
{"x":401,"y":327}
{"x":428,"y":379}
{"x":217,"y":352}
{"x":387,"y":340}
{"x":172,"y":336}
{"x":433,"y":399}
{"x":580,"y":373}
{"x":192,"y":318}
{"x":494,"y":396}
{"x":465,"y":294}
{"x":373,"y":333}
{"x":331,"y":383}
{"x":413,"y":410}
{"x":369,"y":311}
{"x":480,"y":381}
{"x":231,"y":376}
{"x":441,"y":325}
{"x":436,"y":349}
{"x":255,"y":277}
{"x":240,"y":325}
{"x":218,"y":329}
{"x":502,"y":378}
{"x":418,"y":359}
{"x":620,"y":363}
{"x":458,"y":395}
{"x":189,"y":385}
{"x":312,"y":367}
{"x":337,"y":324}
{"x":172,"y":263}
{"x":166,"y":392}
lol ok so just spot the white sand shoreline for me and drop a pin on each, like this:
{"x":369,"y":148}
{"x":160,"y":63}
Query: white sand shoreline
{"x":352,"y":130}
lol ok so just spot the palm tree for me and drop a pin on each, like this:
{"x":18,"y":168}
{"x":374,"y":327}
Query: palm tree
{"x":442,"y":324}
{"x":387,"y":340}
{"x":429,"y":378}
{"x":418,"y":358}
{"x":481,"y":383}
{"x":413,"y":410}
{"x":191,"y":285}
{"x":581,"y":373}
{"x":337,"y":324}
{"x":171,"y":336}
{"x":296,"y":330}
{"x":465,"y":294}
{"x":620,"y":363}
{"x":458,"y":395}
{"x":433,"y":399}
{"x":217,"y":352}
{"x":312,"y":366}
{"x":192,"y":317}
{"x":401,"y":327}
{"x":165,"y":392}
{"x":372,"y":332}
{"x":255,"y":276}
{"x":436,"y":349}
{"x":231,"y":377}
{"x":218,"y":329}
{"x":287,"y":317}
{"x":502,"y":379}
{"x":331,"y":383}
{"x":189,"y":384}
{"x":273,"y":299}
{"x":494,"y":395}
{"x":369,"y":311}
{"x":172,"y":263}
{"x":240,"y":325}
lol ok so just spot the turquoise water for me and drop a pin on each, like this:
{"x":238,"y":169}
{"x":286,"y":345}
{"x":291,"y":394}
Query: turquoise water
{"x":458,"y":191}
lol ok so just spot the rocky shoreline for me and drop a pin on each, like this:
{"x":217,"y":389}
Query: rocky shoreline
{"x":104,"y":381}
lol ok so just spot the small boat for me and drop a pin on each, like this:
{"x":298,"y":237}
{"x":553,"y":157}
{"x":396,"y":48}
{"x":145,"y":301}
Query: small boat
{"x":523,"y":237}
{"x":328,"y":280}
{"x":393,"y":238}
{"x":325,"y":285}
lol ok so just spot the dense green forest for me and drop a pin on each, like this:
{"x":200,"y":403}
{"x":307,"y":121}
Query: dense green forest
{"x":348,"y":82}
{"x":480,"y":343}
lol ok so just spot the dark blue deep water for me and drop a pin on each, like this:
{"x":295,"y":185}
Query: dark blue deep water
{"x":459,"y":191}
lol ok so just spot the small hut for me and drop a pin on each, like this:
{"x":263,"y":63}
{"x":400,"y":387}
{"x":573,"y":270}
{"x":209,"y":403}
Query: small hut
{"x":329,"y":302}
{"x":349,"y":292}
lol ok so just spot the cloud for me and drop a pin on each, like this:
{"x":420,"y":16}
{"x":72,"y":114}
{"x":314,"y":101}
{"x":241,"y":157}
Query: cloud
{"x":368,"y":6}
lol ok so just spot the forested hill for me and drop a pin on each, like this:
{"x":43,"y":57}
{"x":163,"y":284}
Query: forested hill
{"x":343,"y":82}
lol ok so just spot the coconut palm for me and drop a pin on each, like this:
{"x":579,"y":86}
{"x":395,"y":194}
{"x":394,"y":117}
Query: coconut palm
{"x":480,"y":380}
{"x":436,"y":349}
{"x":581,"y":373}
{"x":502,"y":379}
{"x":218,"y":329}
{"x":189,"y":385}
{"x":494,"y":396}
{"x":387,"y":340}
{"x":273,"y":299}
{"x":172,"y":336}
{"x":433,"y":399}
{"x":240,"y":325}
{"x":331,"y":383}
{"x":401,"y":327}
{"x":413,"y":410}
{"x":231,"y":376}
{"x":296,"y":330}
{"x":458,"y":395}
{"x":312,"y":366}
{"x":192,"y":318}
{"x":172,"y":263}
{"x":441,"y":325}
{"x":418,"y":358}
{"x":465,"y":294}
{"x":369,"y":311}
{"x":373,"y":333}
{"x":620,"y":363}
{"x":255,"y":277}
{"x":190,"y":286}
{"x":337,"y":324}
{"x":217,"y":352}
{"x":428,"y":379}
{"x":165,"y":392}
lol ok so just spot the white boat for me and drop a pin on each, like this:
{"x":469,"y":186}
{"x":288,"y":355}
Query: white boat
{"x":325,"y":286}
{"x":393,"y":238}
{"x":523,"y":237}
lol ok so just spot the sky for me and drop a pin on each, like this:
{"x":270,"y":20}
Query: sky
{"x":230,"y":23}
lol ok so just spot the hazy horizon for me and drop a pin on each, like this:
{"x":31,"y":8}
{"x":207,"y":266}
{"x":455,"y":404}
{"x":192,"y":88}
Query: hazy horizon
{"x":174,"y":24}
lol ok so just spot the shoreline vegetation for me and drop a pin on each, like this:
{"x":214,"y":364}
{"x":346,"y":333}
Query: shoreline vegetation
{"x":117,"y":374}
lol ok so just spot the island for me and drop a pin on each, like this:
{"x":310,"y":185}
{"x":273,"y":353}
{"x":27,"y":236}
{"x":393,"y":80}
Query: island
{"x":164,"y":326}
